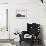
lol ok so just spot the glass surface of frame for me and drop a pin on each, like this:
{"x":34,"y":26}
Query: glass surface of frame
{"x":21,"y":13}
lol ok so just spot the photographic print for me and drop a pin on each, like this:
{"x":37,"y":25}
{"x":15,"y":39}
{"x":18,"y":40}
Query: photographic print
{"x":21,"y":13}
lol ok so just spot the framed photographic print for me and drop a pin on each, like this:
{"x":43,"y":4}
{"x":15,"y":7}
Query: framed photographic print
{"x":21,"y":13}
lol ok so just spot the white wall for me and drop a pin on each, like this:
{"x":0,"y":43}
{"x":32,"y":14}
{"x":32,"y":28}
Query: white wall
{"x":32,"y":8}
{"x":3,"y":1}
{"x":35,"y":13}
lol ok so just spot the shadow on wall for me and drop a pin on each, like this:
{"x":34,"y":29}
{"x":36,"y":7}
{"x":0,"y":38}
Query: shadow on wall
{"x":41,"y":35}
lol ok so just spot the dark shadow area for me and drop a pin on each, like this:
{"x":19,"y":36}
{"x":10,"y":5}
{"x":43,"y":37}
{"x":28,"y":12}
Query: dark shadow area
{"x":41,"y":35}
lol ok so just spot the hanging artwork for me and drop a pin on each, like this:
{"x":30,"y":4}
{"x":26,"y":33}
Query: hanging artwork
{"x":21,"y":13}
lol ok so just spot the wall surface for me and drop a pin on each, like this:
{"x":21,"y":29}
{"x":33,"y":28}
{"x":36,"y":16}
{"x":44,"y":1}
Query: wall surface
{"x":3,"y":1}
{"x":35,"y":14}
